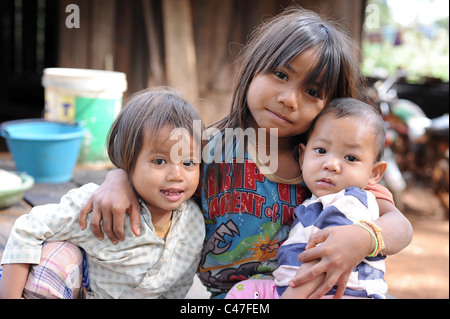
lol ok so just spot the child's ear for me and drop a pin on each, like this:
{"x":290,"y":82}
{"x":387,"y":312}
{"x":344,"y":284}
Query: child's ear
{"x":377,"y":172}
{"x":301,"y":153}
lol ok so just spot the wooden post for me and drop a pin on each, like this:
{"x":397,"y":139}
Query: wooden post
{"x":73,"y":43}
{"x":101,"y":55}
{"x":181,"y":61}
{"x":123,"y":37}
{"x":156,"y":61}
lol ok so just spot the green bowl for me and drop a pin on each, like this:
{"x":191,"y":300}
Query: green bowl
{"x":11,"y":196}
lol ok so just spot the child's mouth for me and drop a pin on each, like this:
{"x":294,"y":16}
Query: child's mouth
{"x":172,"y":194}
{"x":325,"y":182}
{"x":280,"y":117}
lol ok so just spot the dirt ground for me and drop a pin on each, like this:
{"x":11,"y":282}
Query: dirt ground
{"x":421,"y":271}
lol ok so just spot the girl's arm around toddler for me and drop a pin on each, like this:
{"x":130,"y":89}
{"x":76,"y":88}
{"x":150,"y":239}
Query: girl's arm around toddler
{"x":341,"y":252}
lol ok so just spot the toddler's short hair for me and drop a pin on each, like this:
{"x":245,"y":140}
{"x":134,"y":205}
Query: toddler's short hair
{"x":148,"y":111}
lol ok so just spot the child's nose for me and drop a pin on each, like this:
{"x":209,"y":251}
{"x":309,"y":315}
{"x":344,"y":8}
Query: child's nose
{"x":175,"y":172}
{"x":289,"y":99}
{"x":332,"y":164}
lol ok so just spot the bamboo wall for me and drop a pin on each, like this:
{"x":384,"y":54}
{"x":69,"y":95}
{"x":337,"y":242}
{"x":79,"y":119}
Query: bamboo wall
{"x":187,"y":44}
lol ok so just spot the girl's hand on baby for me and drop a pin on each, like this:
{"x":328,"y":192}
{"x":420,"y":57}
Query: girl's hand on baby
{"x":341,"y":249}
{"x":108,"y":205}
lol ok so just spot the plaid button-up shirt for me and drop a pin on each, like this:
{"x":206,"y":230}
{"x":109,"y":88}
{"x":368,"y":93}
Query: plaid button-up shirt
{"x":137,"y":267}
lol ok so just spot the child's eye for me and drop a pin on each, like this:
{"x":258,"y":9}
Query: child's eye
{"x":351,"y":158}
{"x":314,"y":93}
{"x":189,"y":163}
{"x":159,"y":161}
{"x":281,"y":75}
{"x":320,"y":150}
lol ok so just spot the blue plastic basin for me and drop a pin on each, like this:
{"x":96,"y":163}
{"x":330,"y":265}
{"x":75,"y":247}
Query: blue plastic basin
{"x":48,"y":151}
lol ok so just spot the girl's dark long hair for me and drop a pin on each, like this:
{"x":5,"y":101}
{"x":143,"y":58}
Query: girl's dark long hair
{"x":275,"y":44}
{"x":279,"y":40}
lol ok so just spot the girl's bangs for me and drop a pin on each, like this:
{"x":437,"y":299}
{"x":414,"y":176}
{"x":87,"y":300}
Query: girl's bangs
{"x":326,"y":70}
{"x":325,"y":73}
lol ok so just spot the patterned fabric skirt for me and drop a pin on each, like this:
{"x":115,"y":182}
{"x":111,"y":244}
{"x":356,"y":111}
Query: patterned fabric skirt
{"x":61,"y":273}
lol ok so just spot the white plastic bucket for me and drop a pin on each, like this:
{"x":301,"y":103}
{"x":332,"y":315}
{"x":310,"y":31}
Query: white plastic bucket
{"x":92,"y":98}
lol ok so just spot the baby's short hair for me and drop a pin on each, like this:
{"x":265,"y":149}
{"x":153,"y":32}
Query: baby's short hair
{"x":366,"y":114}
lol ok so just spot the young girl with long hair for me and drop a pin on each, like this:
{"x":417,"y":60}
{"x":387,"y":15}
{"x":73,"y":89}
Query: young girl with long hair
{"x":293,"y":65}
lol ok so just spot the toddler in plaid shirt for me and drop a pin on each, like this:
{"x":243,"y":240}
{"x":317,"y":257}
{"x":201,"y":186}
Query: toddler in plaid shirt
{"x":157,"y":140}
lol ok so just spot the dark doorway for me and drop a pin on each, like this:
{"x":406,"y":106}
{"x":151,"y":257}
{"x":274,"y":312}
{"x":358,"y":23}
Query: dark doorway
{"x":28,"y":41}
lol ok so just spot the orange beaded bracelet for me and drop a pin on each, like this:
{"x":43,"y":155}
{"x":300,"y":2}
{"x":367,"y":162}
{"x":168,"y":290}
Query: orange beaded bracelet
{"x":377,"y":232}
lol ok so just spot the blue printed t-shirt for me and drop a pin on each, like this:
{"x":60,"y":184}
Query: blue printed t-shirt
{"x":245,"y":227}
